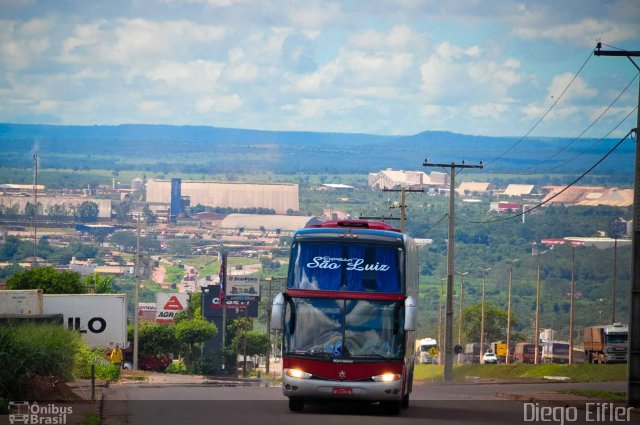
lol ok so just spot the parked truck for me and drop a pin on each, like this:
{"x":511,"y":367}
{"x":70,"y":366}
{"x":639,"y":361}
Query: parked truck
{"x":23,"y":302}
{"x":101,"y":319}
{"x":472,"y":352}
{"x":500,"y":349}
{"x":525,"y":352}
{"x":426,"y":350}
{"x":555,"y":352}
{"x":606,"y":344}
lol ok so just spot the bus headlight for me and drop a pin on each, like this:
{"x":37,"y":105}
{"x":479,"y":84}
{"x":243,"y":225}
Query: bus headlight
{"x":387,"y":377}
{"x":297,"y":373}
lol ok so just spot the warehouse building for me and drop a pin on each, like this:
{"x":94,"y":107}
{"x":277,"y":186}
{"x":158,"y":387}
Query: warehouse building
{"x":54,"y":205}
{"x":280,"y":197}
{"x":284,"y":225}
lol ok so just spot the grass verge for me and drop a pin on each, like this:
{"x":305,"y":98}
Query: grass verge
{"x":576,"y":373}
{"x":615,"y":396}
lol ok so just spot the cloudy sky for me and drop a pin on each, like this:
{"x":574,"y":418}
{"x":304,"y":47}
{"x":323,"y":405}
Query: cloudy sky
{"x":487,"y":67}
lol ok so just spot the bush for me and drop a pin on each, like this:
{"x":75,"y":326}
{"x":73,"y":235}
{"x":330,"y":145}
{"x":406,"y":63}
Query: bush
{"x":176,"y":366}
{"x":86,"y":357}
{"x":31,"y":350}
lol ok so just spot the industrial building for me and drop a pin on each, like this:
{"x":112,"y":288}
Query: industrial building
{"x":389,"y":179}
{"x":258,"y":224}
{"x":280,"y":197}
{"x":47,"y":204}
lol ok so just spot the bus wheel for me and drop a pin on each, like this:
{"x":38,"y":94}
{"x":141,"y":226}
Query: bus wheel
{"x":405,"y":402}
{"x":296,"y":404}
{"x":391,"y":407}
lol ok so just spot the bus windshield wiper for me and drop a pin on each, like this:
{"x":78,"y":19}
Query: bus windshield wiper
{"x":372,"y":355}
{"x":318,"y":354}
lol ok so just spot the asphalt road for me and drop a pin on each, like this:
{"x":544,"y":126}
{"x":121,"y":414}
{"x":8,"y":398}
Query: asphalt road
{"x":433,"y":404}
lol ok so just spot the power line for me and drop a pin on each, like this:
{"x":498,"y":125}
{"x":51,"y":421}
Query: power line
{"x":557,"y":194}
{"x":545,"y":114}
{"x":437,"y":222}
{"x":592,"y":145}
{"x":584,"y":131}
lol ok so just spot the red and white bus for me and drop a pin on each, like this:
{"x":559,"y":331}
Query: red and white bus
{"x":348,"y":314}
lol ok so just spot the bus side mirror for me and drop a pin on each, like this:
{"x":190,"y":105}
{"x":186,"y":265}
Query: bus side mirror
{"x":277,"y":312}
{"x":410,"y":314}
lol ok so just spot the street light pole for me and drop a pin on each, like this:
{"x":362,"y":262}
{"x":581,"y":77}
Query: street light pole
{"x":573,"y":285}
{"x":484,"y":275}
{"x":536,"y":331}
{"x":462,"y":275}
{"x":440,"y":327}
{"x":511,"y":263}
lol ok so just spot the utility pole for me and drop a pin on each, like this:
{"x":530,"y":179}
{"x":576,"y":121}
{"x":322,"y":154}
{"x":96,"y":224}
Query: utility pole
{"x":573,"y":287}
{"x":440,"y":328}
{"x":448,"y":341}
{"x":511,"y":263}
{"x":403,"y":204}
{"x":615,"y":277}
{"x":35,"y":210}
{"x":136,"y":298}
{"x":633,"y":363}
{"x":484,"y":275}
{"x":536,"y":330}
{"x":462,"y":275}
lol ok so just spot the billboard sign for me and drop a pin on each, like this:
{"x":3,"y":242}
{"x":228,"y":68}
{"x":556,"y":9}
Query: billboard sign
{"x":168,"y":305}
{"x":212,"y":306}
{"x":242,"y":287}
{"x":147,"y":312}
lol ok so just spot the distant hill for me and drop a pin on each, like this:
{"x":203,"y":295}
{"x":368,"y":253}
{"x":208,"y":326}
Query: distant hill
{"x":198,"y":149}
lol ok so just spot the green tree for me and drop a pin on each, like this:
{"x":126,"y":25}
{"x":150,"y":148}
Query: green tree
{"x":180,"y":247}
{"x":250,"y":343}
{"x":49,"y":280}
{"x":191,"y":335}
{"x":495,"y":323}
{"x":88,"y":211}
{"x":100,"y":284}
{"x":125,"y":240}
{"x":56,"y":210}
{"x":157,"y":339}
{"x":30,"y":209}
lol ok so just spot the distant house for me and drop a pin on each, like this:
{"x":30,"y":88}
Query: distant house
{"x":505,"y":207}
{"x":588,"y":196}
{"x":519,"y":190}
{"x":472,"y":188}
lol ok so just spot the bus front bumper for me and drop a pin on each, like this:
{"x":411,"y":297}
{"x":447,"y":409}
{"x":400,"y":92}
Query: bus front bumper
{"x":342,"y":390}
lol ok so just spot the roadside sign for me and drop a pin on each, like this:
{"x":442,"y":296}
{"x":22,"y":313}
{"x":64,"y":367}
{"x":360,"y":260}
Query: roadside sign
{"x":242,"y":287}
{"x":168,"y":305}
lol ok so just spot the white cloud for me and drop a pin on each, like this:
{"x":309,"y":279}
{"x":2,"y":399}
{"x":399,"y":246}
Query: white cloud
{"x":584,"y":32}
{"x":307,"y":109}
{"x":190,"y":77}
{"x":579,"y":88}
{"x":22,"y":44}
{"x":212,"y":3}
{"x":399,"y":37}
{"x":218,"y":104}
{"x":312,"y":16}
{"x":154,"y":108}
{"x":318,"y":81}
{"x":489,"y":110}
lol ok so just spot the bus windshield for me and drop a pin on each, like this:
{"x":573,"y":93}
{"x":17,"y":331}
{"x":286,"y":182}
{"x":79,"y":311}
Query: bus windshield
{"x":345,"y":267}
{"x":333,"y":328}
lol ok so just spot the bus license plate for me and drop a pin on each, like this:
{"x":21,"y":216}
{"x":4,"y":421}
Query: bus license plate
{"x":342,"y":391}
